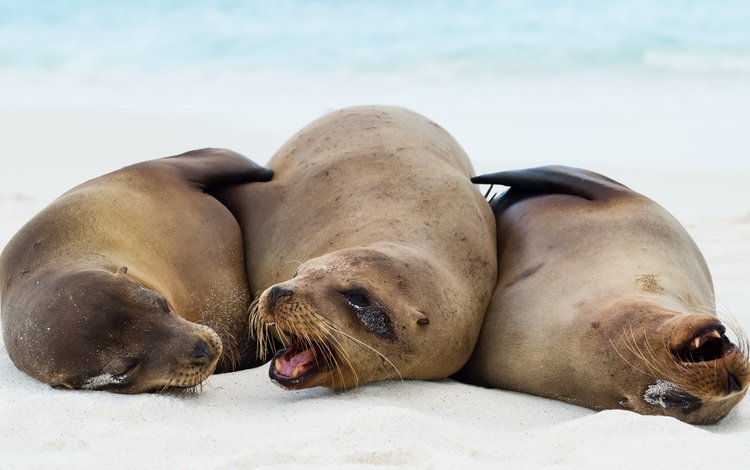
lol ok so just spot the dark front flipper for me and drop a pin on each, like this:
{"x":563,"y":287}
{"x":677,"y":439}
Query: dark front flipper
{"x":558,"y":180}
{"x":210,"y":168}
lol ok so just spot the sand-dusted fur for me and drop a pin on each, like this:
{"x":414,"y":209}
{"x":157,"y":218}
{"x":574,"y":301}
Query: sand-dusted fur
{"x":133,"y":281}
{"x":603,"y":300}
{"x":374,"y":253}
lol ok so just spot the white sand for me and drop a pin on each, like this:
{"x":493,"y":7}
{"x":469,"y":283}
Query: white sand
{"x":242,"y":420}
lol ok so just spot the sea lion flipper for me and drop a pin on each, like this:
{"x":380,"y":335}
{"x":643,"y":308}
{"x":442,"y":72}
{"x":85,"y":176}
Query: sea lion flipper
{"x":557,"y":179}
{"x":212,"y":167}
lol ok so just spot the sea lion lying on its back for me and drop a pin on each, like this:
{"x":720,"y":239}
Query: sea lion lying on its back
{"x":602,"y":300}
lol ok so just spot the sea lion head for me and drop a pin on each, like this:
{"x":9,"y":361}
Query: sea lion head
{"x":351,"y":317}
{"x":103,"y":331}
{"x":686,"y":366}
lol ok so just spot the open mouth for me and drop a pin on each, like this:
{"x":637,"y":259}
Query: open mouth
{"x":299,"y":362}
{"x":708,"y":344}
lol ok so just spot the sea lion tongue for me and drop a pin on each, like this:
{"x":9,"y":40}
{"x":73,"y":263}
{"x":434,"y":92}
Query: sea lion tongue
{"x":292,"y":363}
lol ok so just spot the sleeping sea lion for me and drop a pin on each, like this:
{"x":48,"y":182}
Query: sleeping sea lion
{"x":603,"y":300}
{"x":133,"y":281}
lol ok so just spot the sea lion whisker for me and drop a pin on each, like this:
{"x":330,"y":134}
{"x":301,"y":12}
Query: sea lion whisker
{"x":706,"y":309}
{"x":168,"y":384}
{"x":739,"y":333}
{"x":680,"y":377}
{"x":658,"y":370}
{"x":333,"y":365}
{"x":299,"y":263}
{"x":345,"y":356}
{"x":658,"y":364}
{"x":259,"y":329}
{"x":329,"y":328}
{"x":721,"y":309}
{"x":622,"y":356}
{"x":362,"y":343}
{"x":636,"y":350}
{"x":231,"y":357}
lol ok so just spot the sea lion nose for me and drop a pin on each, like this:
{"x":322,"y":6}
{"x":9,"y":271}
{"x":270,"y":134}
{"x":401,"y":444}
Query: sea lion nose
{"x":279,"y":292}
{"x":734,"y":384}
{"x":201,"y":351}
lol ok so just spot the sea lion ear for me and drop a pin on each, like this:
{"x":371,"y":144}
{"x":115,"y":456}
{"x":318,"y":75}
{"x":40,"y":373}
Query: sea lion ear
{"x":420,"y":318}
{"x":123,"y":270}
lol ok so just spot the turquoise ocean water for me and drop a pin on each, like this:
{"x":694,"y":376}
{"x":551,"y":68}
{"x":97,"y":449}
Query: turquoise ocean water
{"x":91,"y":39}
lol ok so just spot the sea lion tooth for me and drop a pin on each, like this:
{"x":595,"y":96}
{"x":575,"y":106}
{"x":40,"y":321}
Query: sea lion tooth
{"x":716,"y":334}
{"x":697,"y":342}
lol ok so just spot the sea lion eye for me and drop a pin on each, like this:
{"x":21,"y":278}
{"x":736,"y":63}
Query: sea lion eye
{"x":118,"y":377}
{"x":126,"y":366}
{"x":371,"y":315}
{"x":357,"y":299}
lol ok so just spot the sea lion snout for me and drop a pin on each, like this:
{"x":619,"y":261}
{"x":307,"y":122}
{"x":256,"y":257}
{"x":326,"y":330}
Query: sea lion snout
{"x":278,"y":292}
{"x":201,"y":353}
{"x":701,"y":340}
{"x":698,"y":373}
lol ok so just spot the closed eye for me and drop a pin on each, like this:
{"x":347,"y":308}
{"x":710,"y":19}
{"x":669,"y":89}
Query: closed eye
{"x":118,"y":377}
{"x":127,"y":367}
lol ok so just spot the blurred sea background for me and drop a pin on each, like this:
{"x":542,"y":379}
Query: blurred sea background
{"x":623,"y":87}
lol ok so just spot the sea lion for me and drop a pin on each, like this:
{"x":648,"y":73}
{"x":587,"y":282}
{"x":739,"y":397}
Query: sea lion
{"x":603,"y":300}
{"x":105,"y":288}
{"x":374,"y":254}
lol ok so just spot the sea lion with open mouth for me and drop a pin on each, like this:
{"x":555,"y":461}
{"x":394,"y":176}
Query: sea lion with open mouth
{"x":374,"y":254}
{"x":603,"y":300}
{"x":133,"y":281}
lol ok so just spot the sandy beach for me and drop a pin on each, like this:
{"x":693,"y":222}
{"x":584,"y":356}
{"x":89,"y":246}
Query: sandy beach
{"x":655,"y":96}
{"x":242,"y":420}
